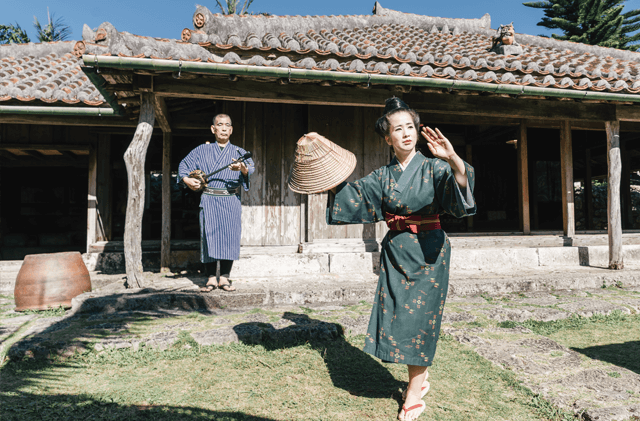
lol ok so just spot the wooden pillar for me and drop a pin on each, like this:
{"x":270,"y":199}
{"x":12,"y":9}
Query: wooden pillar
{"x":625,"y":186}
{"x":469,"y":159}
{"x":566,"y":168}
{"x":165,"y":245}
{"x":134,"y":159}
{"x":92,"y":210}
{"x":104,"y":193}
{"x":614,"y":164}
{"x":588,"y":191}
{"x":523,"y":180}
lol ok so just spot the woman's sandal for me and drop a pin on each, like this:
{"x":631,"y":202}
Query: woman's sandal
{"x":226,"y":286}
{"x":423,"y":390}
{"x":420,"y":406}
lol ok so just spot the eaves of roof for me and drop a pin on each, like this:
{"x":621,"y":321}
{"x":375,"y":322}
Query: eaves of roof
{"x":161,"y":65}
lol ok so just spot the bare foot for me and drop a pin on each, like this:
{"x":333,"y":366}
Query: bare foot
{"x":225,"y":284}
{"x":423,"y":390}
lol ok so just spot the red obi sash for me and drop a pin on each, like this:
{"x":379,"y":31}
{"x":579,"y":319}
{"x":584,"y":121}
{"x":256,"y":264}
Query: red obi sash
{"x":413,"y":223}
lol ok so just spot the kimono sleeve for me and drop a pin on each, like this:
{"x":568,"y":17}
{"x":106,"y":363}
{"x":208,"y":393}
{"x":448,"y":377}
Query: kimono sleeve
{"x":188,"y":164}
{"x":454,"y":200}
{"x":358,"y":202}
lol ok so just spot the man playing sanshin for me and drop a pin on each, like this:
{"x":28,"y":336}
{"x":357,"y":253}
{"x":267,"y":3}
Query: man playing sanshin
{"x":220,"y":208}
{"x":409,"y":193}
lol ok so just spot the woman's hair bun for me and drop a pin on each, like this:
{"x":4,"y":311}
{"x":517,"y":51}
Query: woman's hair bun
{"x":393,"y":104}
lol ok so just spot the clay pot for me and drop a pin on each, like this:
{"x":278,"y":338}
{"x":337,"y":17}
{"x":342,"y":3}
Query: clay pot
{"x":50,"y":280}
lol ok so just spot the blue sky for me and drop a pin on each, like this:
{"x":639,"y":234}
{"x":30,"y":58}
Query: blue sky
{"x":166,"y":19}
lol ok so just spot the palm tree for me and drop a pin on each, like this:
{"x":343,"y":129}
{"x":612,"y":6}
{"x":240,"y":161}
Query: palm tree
{"x":231,"y":7}
{"x":54,"y":30}
{"x":13,"y":34}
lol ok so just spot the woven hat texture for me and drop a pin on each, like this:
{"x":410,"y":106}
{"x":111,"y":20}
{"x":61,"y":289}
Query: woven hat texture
{"x":319,"y":165}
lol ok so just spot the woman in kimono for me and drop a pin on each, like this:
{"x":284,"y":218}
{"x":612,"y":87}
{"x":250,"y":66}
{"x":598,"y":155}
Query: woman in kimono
{"x":409,"y":194}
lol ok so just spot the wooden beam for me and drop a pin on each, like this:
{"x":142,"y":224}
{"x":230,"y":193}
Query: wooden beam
{"x":628,"y":113}
{"x":165,"y":246}
{"x":587,"y":206}
{"x":66,"y":120}
{"x":162,"y":114}
{"x":104,"y":194}
{"x":41,"y":147}
{"x":523,"y":180}
{"x":134,"y":159}
{"x":566,"y":168}
{"x":92,"y":206}
{"x":269,"y":92}
{"x":614,"y":162}
{"x":509,"y":107}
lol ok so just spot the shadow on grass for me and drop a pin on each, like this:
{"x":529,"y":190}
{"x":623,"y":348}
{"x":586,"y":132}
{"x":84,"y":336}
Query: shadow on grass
{"x":26,"y":407}
{"x":623,"y":355}
{"x":350,"y":368}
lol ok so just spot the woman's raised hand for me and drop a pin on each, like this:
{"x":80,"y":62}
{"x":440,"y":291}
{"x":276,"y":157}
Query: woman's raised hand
{"x":438,"y":144}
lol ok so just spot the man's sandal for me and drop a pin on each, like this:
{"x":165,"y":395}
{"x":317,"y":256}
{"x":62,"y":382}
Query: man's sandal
{"x":226,"y":286}
{"x":209,"y":286}
{"x":421,"y":406}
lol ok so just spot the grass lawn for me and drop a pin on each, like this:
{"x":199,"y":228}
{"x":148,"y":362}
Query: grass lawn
{"x":323,"y":380}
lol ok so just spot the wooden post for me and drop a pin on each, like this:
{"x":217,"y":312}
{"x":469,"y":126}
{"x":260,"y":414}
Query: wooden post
{"x":134,"y":158}
{"x":614,"y":163}
{"x":566,"y":168}
{"x":165,"y":245}
{"x":523,"y":180}
{"x":104,"y":187}
{"x":469,"y":158}
{"x":587,"y":206}
{"x":92,"y":210}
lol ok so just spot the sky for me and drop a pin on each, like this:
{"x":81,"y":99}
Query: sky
{"x":167,"y":19}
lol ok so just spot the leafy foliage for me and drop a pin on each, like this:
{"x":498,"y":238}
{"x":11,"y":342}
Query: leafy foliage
{"x":54,"y":30}
{"x":13,"y":34}
{"x":594,"y":22}
{"x":230,"y":7}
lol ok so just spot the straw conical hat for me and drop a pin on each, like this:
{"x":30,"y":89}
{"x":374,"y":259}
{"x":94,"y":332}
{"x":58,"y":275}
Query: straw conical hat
{"x":319,"y":165}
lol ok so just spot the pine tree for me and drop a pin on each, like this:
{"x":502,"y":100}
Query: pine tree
{"x":594,"y":22}
{"x":13,"y":34}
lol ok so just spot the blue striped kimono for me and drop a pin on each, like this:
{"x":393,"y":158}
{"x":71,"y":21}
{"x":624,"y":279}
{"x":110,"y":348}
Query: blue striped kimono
{"x":220,"y":227}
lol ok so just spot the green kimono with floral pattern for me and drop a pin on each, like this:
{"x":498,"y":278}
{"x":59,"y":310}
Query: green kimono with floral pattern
{"x":414,"y":268}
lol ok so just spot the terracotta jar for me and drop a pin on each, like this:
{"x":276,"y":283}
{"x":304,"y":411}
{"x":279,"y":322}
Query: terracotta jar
{"x":50,"y":280}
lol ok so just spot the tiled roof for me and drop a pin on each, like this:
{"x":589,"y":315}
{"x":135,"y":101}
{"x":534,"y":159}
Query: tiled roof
{"x":47,"y":72}
{"x":394,"y":43}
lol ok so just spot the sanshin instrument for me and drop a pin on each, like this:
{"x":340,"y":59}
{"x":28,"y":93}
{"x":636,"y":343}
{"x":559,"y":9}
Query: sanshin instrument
{"x":204,"y":178}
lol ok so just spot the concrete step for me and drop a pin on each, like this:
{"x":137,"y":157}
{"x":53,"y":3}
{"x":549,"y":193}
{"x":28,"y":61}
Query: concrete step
{"x":182,"y":293}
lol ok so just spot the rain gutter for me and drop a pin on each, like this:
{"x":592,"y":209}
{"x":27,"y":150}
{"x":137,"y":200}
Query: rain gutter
{"x":58,"y":111}
{"x":365,"y":78}
{"x":99,"y":82}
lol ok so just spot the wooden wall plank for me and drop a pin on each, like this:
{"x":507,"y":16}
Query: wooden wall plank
{"x":104,"y":192}
{"x":253,"y":211}
{"x":273,"y":119}
{"x":523,"y":180}
{"x":614,"y":162}
{"x":295,"y":125}
{"x":92,"y":215}
{"x":588,"y":191}
{"x":566,"y":168}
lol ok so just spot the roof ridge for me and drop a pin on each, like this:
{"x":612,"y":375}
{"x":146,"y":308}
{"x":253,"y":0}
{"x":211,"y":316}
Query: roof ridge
{"x":223,"y":26}
{"x":31,"y":48}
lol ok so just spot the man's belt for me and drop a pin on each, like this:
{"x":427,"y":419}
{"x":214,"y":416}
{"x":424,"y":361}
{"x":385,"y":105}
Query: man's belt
{"x":221,"y":192}
{"x":413,"y":223}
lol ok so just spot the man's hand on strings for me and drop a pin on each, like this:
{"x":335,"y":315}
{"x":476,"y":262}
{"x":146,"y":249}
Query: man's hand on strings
{"x":239,"y":166}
